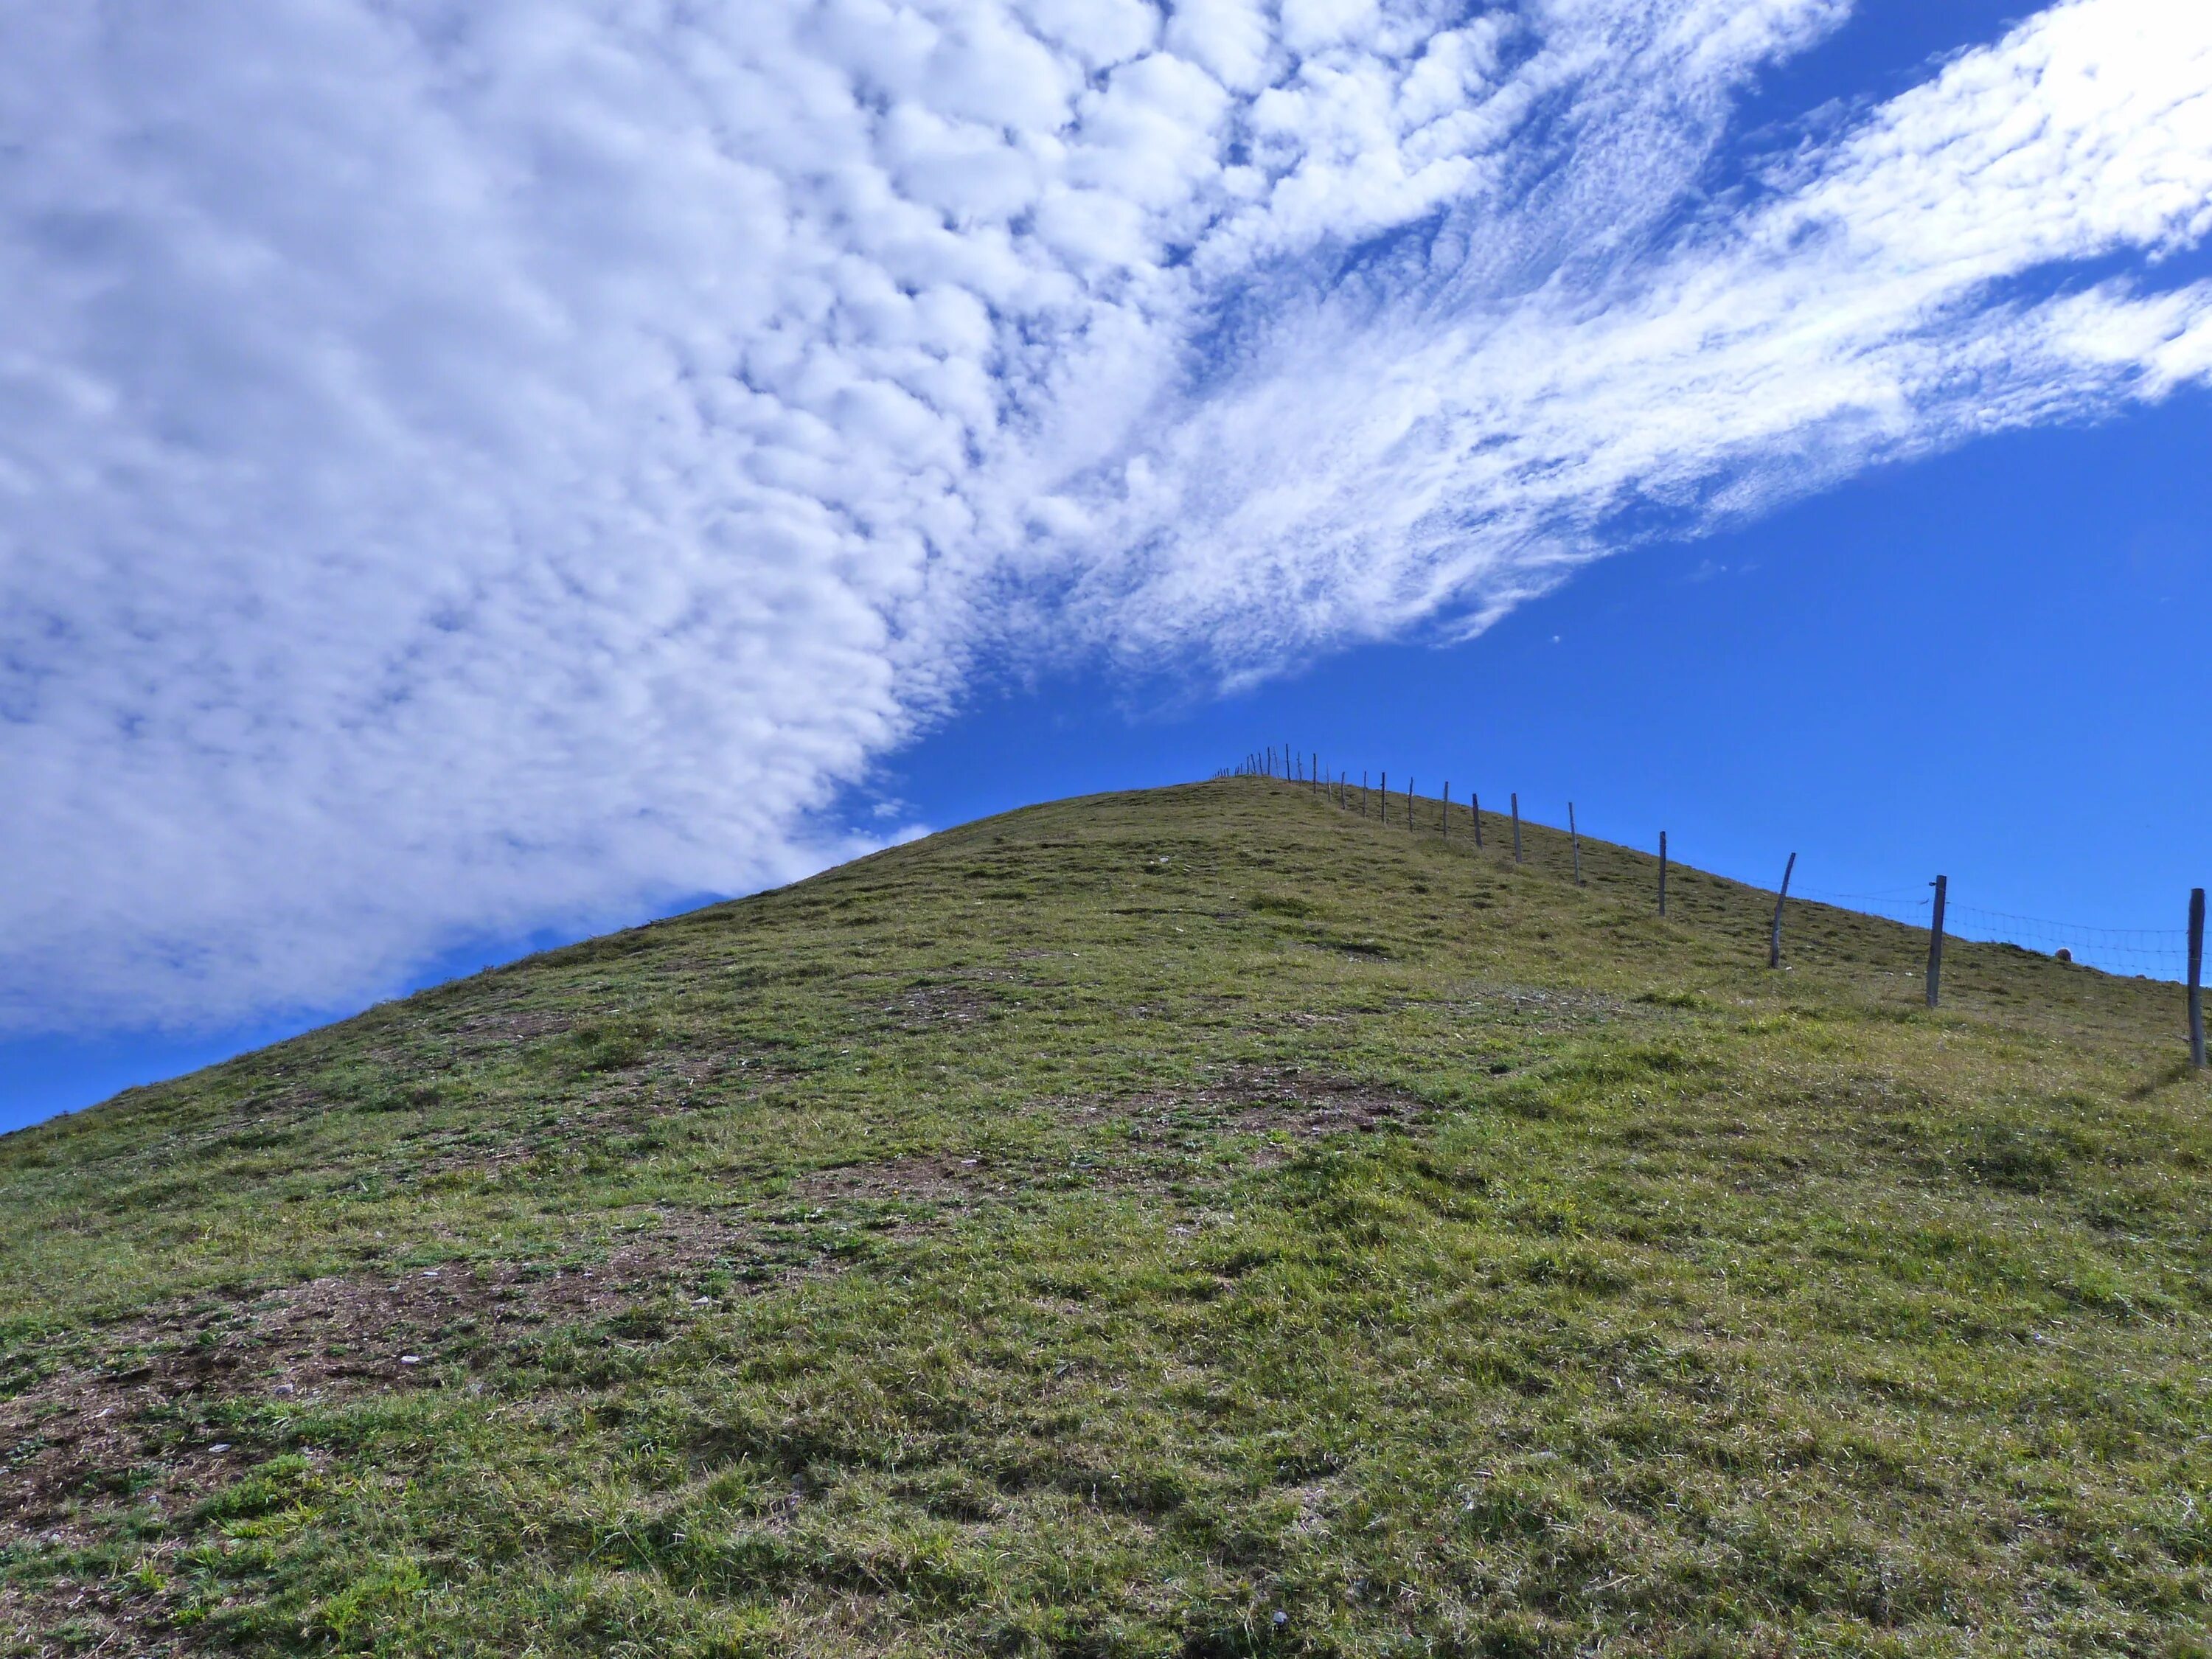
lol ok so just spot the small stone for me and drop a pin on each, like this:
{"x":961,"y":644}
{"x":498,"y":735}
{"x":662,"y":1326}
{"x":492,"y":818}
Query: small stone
{"x":701,"y":1301}
{"x":411,"y":1359}
{"x":220,"y":1446}
{"x":1281,"y":1618}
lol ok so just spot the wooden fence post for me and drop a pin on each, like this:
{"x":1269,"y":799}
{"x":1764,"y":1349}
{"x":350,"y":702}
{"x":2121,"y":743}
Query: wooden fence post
{"x":1315,"y":774}
{"x":2197,"y":978}
{"x":1774,"y":938}
{"x":1385,"y":793}
{"x":1942,"y":885}
{"x":1409,"y":804}
{"x":1517,"y":828}
{"x":1575,"y":836}
{"x":1363,"y":792}
{"x":1445,"y":829}
{"x":1662,"y":872}
{"x":1474,"y":811}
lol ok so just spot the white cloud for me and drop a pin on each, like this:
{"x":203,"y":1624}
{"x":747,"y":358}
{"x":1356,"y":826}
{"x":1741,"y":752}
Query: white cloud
{"x":464,"y":466}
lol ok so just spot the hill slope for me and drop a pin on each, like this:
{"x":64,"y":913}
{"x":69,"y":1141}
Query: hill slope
{"x":1198,"y":1222}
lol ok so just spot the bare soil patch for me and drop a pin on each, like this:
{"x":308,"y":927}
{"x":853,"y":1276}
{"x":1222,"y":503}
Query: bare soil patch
{"x":935,"y":1180}
{"x":497,"y":1029}
{"x":1257,"y":1099}
{"x":1311,"y":1104}
{"x":925,"y":1007}
{"x":124,"y":1425}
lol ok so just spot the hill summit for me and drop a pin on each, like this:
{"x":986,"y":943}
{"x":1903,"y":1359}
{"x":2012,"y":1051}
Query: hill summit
{"x":1197,"y":1222}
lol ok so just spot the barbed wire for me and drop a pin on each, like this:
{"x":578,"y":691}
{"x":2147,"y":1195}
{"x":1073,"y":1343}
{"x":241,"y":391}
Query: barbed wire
{"x":2146,"y":952}
{"x":2150,"y":952}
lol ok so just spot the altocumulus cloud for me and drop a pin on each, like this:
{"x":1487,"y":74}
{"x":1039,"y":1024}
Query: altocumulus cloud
{"x":469,"y":466}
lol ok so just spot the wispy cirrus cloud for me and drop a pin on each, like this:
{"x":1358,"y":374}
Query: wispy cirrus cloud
{"x":471,"y":467}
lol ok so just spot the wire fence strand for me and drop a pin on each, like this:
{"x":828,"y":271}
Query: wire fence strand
{"x":2160,"y":953}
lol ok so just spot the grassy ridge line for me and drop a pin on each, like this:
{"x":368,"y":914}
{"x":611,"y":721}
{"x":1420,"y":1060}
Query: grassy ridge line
{"x":1107,"y":1227}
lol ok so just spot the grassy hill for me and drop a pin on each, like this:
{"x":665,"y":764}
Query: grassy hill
{"x":1190,"y":1223}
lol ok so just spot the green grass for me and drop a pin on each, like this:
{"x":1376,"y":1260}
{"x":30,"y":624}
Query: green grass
{"x":1192,"y":1222}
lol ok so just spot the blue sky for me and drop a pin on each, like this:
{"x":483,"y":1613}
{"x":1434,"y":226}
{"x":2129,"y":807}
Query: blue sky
{"x":1676,"y":448}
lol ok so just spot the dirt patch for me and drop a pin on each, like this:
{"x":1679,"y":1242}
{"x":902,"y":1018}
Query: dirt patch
{"x":1312,"y":1104}
{"x":952,"y":1181}
{"x":942,"y":1005}
{"x":128,"y":1424}
{"x":505,"y":1028}
{"x":1258,"y":1099}
{"x":85,"y":1621}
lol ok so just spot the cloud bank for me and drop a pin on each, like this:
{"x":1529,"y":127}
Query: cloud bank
{"x":464,"y":467}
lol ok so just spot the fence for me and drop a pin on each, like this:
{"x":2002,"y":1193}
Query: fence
{"x":2173,"y":954}
{"x":2140,"y":952}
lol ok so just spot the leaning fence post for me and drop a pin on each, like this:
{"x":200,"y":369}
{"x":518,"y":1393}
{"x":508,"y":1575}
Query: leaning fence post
{"x":2197,"y":978}
{"x":1517,"y":828}
{"x":1575,"y":836}
{"x":1774,"y":938}
{"x":1662,"y":872}
{"x":1942,"y":885}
